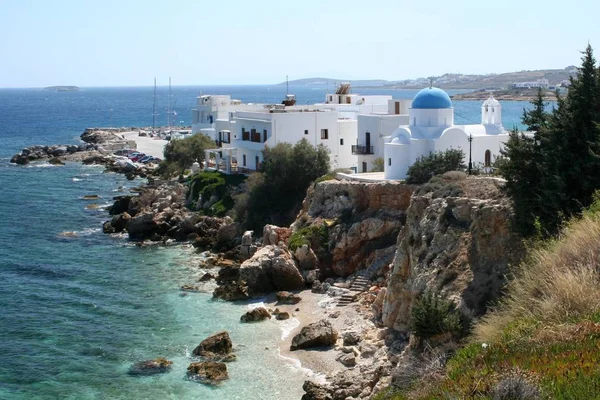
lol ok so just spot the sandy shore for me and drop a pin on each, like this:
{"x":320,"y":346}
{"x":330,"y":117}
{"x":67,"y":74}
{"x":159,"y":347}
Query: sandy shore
{"x":145,"y":144}
{"x":313,"y":308}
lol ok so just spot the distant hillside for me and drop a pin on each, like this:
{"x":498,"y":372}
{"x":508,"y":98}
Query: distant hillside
{"x":451,"y":81}
{"x":323,"y":82}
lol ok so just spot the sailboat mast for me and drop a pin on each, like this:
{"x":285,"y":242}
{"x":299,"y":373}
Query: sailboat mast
{"x":287,"y":85}
{"x":154,"y":107}
{"x":169,"y":107}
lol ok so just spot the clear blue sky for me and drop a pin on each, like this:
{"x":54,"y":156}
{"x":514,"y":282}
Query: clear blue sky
{"x":202,"y":42}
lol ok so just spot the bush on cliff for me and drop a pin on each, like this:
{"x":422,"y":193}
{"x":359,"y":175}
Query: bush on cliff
{"x":208,"y":184}
{"x":431,"y":315}
{"x":180,"y":154}
{"x":316,"y":236}
{"x":435,"y":164}
{"x":276,"y":193}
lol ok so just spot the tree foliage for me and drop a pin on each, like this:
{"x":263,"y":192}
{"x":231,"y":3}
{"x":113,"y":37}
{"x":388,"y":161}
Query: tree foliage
{"x":286,"y":173}
{"x":435,"y":164}
{"x":552,"y":169}
{"x":180,"y":154}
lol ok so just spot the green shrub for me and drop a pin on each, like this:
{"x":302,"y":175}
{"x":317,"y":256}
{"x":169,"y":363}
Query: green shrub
{"x":207,"y":184}
{"x":435,"y":164}
{"x":431,"y":315}
{"x":314,"y":236}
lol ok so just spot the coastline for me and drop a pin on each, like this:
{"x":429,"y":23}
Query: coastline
{"x":319,"y":365}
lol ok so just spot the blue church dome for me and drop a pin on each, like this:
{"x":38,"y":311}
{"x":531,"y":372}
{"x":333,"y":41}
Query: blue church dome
{"x":432,"y":97}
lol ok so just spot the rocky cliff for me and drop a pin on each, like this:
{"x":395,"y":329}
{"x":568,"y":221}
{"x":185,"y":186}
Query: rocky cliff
{"x":457,"y":243}
{"x":362,"y":221}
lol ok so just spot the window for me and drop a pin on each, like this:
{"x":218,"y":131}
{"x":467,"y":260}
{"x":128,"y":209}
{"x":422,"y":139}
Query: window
{"x":389,"y":162}
{"x":244,"y":160}
{"x":324,"y":134}
{"x":264,"y":135}
{"x":306,"y":131}
{"x":341,"y":142}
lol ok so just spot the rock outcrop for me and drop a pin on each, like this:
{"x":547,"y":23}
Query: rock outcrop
{"x":362,"y":220}
{"x":317,"y":334}
{"x":457,"y":247}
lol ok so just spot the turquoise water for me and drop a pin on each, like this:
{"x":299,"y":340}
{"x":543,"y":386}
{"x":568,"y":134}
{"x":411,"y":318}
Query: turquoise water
{"x":77,"y":311}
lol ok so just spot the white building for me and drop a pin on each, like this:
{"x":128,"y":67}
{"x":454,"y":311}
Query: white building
{"x":244,"y":138}
{"x":431,"y":129}
{"x":540,"y":83}
{"x":210,"y":108}
{"x":373,"y":128}
{"x":243,"y":130}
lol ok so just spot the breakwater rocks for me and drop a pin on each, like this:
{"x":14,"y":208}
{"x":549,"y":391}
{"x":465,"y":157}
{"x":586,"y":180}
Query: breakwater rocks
{"x":97,"y":149}
{"x":54,"y":152}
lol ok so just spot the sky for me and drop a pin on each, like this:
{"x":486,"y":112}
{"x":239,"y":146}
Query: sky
{"x":199,"y":42}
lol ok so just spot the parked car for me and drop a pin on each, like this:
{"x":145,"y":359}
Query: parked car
{"x":124,"y":152}
{"x":145,"y":159}
{"x":155,"y":160}
{"x":137,"y":157}
{"x":133,"y":154}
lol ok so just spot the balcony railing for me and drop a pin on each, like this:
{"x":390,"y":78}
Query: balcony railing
{"x":362,"y":149}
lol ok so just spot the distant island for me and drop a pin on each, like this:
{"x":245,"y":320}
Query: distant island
{"x":62,"y":88}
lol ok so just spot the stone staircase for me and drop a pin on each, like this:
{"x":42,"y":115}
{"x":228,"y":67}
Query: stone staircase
{"x":359,"y":285}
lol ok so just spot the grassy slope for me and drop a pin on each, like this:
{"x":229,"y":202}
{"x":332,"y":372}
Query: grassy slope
{"x":546,"y":333}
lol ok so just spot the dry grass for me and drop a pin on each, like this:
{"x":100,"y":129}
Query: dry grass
{"x":558,"y":284}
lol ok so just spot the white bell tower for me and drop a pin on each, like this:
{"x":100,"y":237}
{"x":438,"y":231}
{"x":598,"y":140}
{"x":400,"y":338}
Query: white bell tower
{"x":491,"y":112}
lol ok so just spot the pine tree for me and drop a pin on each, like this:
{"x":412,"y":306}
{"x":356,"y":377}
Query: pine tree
{"x":574,"y":141}
{"x":524,"y":172}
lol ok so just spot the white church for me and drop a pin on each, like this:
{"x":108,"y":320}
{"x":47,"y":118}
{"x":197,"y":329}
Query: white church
{"x":431,"y":128}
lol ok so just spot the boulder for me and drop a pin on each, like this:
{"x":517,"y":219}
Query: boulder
{"x":347,"y":359}
{"x":317,"y":334}
{"x":282,"y":315}
{"x":271,"y":268}
{"x":206,"y":277}
{"x":255,"y":315}
{"x":119,"y":222}
{"x":120,"y":205}
{"x":273,"y":234}
{"x":107,"y":227}
{"x":287,"y":298}
{"x":208,"y":372}
{"x":55,"y":161}
{"x":351,"y":338}
{"x":141,"y":226}
{"x":232,"y":291}
{"x":151,"y":367}
{"x":218,"y":344}
{"x":229,"y":232}
{"x":316,"y":391}
{"x":247,"y":238}
{"x":306,"y":257}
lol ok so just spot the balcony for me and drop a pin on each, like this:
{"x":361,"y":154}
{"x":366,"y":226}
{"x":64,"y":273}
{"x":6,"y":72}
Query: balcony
{"x":362,"y":149}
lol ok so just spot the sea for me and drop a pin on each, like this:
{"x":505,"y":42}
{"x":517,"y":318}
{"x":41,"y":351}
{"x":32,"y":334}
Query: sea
{"x":78,"y":307}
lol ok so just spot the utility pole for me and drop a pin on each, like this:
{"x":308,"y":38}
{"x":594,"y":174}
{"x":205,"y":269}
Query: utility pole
{"x":470,"y":152}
